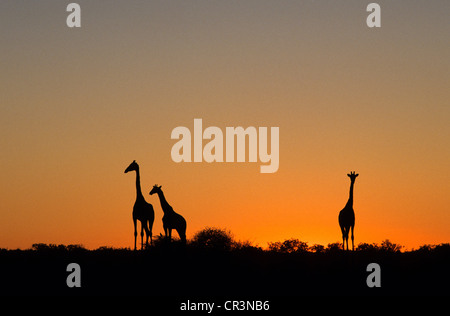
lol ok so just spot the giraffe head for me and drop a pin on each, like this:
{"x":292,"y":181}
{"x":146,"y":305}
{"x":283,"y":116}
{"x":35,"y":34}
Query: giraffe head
{"x":155,"y":189}
{"x":132,"y":166}
{"x":352,"y":175}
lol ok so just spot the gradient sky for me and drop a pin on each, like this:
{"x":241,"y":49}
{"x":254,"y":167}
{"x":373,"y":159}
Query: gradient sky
{"x":78,"y":105}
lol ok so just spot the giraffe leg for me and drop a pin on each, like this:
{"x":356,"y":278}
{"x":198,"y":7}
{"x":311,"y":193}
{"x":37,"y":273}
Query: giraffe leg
{"x":142,"y":236}
{"x":135,"y":233}
{"x":346,"y":236}
{"x":166,"y":232}
{"x":343,"y":237}
{"x":146,"y":235}
{"x":353,"y":239}
{"x":182,"y":235}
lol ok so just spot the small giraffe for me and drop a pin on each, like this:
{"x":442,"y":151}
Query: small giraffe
{"x":171,"y":220}
{"x":142,"y":210}
{"x":347,"y":215}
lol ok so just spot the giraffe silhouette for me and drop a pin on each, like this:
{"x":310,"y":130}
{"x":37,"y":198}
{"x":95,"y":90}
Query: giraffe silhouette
{"x":142,"y":210}
{"x":171,"y":220}
{"x":347,"y":215}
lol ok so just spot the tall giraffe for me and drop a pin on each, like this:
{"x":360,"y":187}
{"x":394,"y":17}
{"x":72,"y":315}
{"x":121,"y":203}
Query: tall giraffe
{"x":142,"y":210}
{"x":347,"y":215}
{"x":171,"y":220}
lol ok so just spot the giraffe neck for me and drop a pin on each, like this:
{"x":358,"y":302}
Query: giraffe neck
{"x":138,"y":186}
{"x":162,"y":200}
{"x":350,"y":197}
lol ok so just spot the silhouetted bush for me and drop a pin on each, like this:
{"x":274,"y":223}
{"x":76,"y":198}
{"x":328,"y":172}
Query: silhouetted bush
{"x":426,"y":248}
{"x":286,"y":268}
{"x":316,"y":248}
{"x":333,"y":247}
{"x":289,"y":246}
{"x":213,"y":238}
{"x":388,"y":246}
{"x":110,"y":250}
{"x":367,"y":247}
{"x":442,"y":249}
{"x":159,"y":240}
{"x":245,"y":246}
{"x":41,"y":247}
{"x":76,"y":248}
{"x":44,"y":247}
{"x":105,"y":249}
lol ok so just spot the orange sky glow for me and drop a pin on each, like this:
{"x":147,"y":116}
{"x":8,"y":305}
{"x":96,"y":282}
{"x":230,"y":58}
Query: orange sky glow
{"x":79,"y":105}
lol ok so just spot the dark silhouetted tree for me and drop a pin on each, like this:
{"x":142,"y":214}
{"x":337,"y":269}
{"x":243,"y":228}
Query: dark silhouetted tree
{"x":213,"y":238}
{"x":288,"y":246}
{"x":333,"y":247}
{"x":367,"y":247}
{"x":388,"y":246}
{"x":317,"y":248}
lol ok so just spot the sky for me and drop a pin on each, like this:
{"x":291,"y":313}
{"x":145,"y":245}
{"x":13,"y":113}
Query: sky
{"x":78,"y":105}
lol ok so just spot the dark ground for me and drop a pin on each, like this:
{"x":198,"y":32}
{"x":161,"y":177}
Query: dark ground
{"x":250,"y":272}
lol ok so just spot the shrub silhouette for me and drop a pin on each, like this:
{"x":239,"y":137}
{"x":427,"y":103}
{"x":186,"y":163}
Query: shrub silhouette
{"x":388,"y":246}
{"x":244,"y":270}
{"x":42,"y":247}
{"x":317,"y":248}
{"x":442,"y":248}
{"x":213,"y":238}
{"x":288,"y":246}
{"x":367,"y":247}
{"x":333,"y":247}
